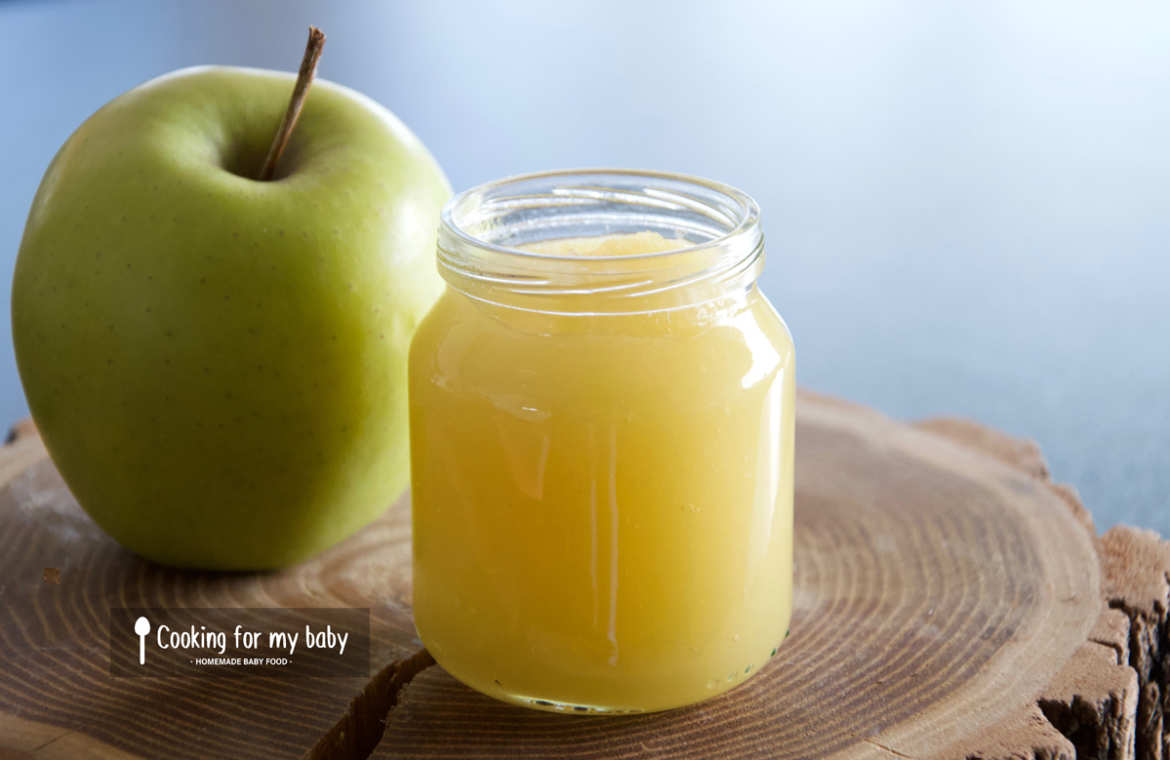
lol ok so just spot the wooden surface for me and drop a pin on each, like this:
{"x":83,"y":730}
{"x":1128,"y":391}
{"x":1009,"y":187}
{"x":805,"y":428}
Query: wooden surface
{"x":56,"y":694}
{"x":951,"y":602}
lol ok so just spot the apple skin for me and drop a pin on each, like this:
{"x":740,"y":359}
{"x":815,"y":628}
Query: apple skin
{"x":217,"y":365}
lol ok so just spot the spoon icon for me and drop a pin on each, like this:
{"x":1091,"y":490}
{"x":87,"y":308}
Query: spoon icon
{"x":142,"y":628}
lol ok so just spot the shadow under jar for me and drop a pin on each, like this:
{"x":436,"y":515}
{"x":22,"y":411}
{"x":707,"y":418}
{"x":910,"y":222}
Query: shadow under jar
{"x":601,"y":409}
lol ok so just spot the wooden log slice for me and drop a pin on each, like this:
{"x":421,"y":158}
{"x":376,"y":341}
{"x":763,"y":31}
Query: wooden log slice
{"x":950,"y":602}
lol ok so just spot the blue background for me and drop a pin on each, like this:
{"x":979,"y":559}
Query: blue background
{"x":967,"y":204}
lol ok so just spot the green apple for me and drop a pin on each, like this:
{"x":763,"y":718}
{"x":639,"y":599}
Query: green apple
{"x":217,"y":364}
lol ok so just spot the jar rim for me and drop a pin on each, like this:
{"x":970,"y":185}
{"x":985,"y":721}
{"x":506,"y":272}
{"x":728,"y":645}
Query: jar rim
{"x":747,"y":221}
{"x":482,"y":229}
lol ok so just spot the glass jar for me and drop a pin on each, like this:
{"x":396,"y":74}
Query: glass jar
{"x":601,"y":409}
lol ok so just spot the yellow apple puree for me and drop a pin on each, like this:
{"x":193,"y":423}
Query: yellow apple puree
{"x":602,"y":501}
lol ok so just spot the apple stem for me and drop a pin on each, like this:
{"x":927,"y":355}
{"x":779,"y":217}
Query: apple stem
{"x":296,"y":102}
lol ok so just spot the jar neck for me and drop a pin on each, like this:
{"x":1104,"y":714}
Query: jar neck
{"x":485,"y":232}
